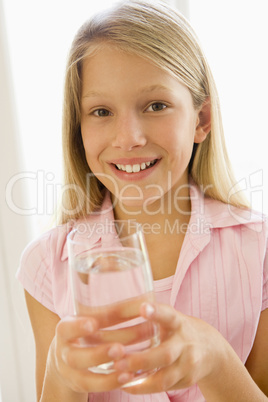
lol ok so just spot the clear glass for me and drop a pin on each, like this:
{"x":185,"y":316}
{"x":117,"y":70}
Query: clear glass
{"x":111,"y":277}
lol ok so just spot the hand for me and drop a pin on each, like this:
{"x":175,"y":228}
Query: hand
{"x":190,"y":351}
{"x":70,"y":361}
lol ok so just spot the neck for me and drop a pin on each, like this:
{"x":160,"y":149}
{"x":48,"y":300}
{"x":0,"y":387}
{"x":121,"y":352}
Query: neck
{"x":164,"y":224}
{"x":173,"y":206}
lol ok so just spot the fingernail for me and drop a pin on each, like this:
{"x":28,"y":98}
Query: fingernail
{"x":149,"y":310}
{"x":114,"y":352}
{"x":88,"y":326}
{"x":124,"y":377}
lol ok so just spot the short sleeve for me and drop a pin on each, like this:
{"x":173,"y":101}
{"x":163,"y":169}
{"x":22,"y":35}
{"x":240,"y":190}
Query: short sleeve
{"x":265,"y":277}
{"x":35,"y":273}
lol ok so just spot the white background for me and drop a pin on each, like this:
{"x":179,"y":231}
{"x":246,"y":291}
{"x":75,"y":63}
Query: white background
{"x":234,"y":34}
{"x":33,"y":52}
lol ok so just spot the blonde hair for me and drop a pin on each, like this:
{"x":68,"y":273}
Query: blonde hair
{"x":161,"y":34}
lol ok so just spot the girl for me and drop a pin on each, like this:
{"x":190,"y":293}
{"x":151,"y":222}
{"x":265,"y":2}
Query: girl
{"x":143,"y":140}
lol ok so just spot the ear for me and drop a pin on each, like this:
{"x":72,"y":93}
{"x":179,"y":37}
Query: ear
{"x":203,"y":123}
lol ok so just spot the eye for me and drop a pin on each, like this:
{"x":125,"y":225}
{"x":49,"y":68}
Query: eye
{"x":156,"y":107}
{"x":101,"y":113}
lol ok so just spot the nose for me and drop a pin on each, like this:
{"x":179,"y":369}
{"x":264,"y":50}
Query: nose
{"x":129,"y":133}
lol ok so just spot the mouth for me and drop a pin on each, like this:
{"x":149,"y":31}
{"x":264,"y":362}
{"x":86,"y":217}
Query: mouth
{"x":137,"y":167}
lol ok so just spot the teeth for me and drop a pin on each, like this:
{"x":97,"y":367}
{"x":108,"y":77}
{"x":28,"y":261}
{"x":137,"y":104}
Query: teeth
{"x":135,"y":168}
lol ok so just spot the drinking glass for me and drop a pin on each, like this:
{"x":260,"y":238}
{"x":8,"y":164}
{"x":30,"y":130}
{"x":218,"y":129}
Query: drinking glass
{"x":110,"y":279}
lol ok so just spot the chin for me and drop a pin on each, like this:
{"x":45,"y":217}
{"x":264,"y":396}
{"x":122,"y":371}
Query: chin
{"x":140,"y":202}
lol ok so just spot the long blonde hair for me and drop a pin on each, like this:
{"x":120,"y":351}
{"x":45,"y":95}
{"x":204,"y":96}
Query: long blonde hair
{"x":161,"y":34}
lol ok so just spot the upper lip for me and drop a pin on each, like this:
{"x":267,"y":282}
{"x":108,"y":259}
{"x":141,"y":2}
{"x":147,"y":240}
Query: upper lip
{"x":132,"y":161}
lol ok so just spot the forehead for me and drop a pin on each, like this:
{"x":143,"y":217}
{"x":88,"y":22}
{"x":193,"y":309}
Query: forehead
{"x":110,"y":66}
{"x":103,"y":52}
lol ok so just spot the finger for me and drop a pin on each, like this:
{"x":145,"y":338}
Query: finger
{"x":141,"y":332}
{"x":86,"y":357}
{"x":179,"y":375}
{"x":165,"y":315}
{"x":116,"y":313}
{"x":161,"y":356}
{"x":70,"y":328}
{"x":86,"y":381}
{"x":163,"y":380}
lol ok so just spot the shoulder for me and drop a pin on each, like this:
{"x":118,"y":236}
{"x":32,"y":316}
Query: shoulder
{"x":246,"y":233}
{"x":240,"y":230}
{"x":40,"y":249}
{"x":35,"y":268}
{"x":226,"y":216}
{"x":43,"y":269}
{"x":220,"y":214}
{"x":214,"y":214}
{"x":50,"y":247}
{"x":39,"y":263}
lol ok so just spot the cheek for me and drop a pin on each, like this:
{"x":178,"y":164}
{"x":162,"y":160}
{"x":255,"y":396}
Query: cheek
{"x":179,"y":141}
{"x":178,"y":137}
{"x":92,"y":145}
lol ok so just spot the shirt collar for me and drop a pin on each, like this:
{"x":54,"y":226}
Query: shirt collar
{"x":206,"y":214}
{"x":216,"y":214}
{"x":105,"y":213}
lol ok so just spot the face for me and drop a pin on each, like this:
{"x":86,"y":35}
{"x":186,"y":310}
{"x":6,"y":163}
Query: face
{"x":138,"y":126}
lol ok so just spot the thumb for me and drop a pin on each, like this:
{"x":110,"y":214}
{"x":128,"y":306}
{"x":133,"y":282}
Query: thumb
{"x":163,"y":314}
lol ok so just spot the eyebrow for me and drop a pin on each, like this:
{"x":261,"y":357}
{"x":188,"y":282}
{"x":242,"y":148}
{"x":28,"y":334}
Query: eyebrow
{"x":92,"y":94}
{"x":151,"y":88}
{"x":155,"y":87}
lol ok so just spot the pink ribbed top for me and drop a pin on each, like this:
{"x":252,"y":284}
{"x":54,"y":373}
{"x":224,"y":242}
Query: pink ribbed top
{"x":221,"y":277}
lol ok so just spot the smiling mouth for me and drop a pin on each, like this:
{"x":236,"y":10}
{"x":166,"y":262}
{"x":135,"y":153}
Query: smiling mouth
{"x":135,"y":168}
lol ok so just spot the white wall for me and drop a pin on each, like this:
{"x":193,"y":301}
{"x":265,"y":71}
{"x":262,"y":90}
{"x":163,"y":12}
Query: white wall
{"x":16,"y":346}
{"x":234,"y":36}
{"x":182,"y":5}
